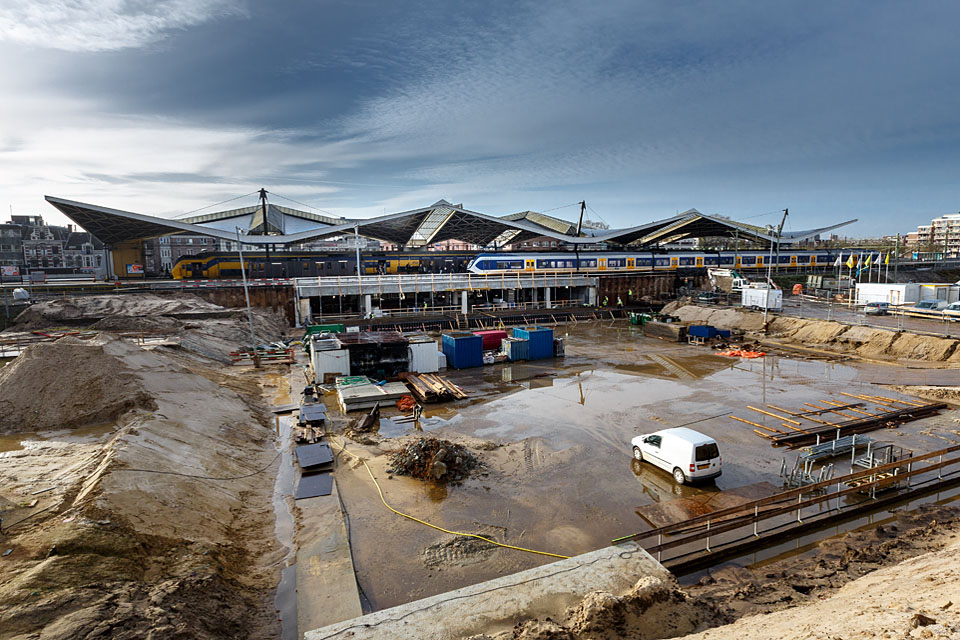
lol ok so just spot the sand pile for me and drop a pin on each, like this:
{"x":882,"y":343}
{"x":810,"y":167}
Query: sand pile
{"x":653,"y":608}
{"x":827,"y":335}
{"x":432,"y":459}
{"x":65,"y":384}
{"x":88,"y":309}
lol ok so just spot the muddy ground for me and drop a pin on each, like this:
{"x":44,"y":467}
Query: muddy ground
{"x":156,"y":525}
{"x":833,"y":337}
{"x":833,"y":586}
{"x":555,"y":439}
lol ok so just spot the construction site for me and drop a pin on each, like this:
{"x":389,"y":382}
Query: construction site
{"x":545,"y":454}
{"x":360,"y":481}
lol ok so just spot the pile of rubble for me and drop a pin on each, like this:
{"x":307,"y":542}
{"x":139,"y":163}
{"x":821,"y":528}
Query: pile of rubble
{"x":432,"y":459}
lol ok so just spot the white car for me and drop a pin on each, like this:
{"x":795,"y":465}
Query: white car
{"x":686,"y":454}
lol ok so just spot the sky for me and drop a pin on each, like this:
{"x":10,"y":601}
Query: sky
{"x":358,"y":108}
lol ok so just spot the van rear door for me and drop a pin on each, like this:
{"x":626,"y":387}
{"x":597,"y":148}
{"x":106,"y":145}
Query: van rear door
{"x":706,"y":458}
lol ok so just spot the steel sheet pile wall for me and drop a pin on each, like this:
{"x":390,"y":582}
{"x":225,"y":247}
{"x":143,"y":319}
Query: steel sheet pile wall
{"x":463,"y":350}
{"x":541,"y":341}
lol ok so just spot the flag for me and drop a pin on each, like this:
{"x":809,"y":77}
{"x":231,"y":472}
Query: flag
{"x":887,"y":261}
{"x":850,"y":262}
{"x":869,"y":258}
{"x":838,"y":261}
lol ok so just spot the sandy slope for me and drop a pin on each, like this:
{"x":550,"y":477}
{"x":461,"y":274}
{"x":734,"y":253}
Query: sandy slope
{"x":919,"y":598}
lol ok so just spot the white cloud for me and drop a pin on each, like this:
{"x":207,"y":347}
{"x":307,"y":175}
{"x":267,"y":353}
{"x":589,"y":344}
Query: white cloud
{"x":104,"y":25}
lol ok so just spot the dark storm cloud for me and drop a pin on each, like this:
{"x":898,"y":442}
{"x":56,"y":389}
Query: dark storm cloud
{"x":640,"y":107}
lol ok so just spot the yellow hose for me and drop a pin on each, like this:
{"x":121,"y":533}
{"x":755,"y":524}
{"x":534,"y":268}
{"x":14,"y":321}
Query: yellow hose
{"x":433,"y":526}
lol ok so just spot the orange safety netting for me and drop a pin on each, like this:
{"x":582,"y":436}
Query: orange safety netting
{"x":406,"y":403}
{"x":741,"y":353}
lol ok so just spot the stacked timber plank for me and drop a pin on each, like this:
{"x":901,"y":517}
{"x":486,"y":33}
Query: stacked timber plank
{"x":429,"y":387}
{"x":359,"y":392}
{"x":859,"y":417}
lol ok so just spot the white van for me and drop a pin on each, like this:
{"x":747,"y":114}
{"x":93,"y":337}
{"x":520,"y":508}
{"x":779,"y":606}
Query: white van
{"x":689,"y":455}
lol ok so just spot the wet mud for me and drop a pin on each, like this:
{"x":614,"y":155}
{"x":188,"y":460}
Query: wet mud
{"x":561,"y":478}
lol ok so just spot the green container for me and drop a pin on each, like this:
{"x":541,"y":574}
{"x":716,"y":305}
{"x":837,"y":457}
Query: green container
{"x":325,"y":328}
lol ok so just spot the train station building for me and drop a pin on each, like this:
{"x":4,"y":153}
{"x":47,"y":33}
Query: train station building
{"x":272,"y":228}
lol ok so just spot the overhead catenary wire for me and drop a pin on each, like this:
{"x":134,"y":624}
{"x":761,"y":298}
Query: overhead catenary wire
{"x":215,"y":204}
{"x":304,"y":204}
{"x":433,"y":526}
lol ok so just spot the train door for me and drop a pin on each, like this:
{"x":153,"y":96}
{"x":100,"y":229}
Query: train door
{"x":736,"y":261}
{"x":529,"y":265}
{"x":631,"y":263}
{"x":674,"y":263}
{"x":793,"y":261}
{"x":601,"y":264}
{"x":759,"y":261}
{"x":699,"y":261}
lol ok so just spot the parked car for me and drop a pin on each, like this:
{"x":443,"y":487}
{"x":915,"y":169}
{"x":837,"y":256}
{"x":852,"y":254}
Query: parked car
{"x":688,"y":455}
{"x":931,"y":305}
{"x":952,"y":311}
{"x":876,"y":308}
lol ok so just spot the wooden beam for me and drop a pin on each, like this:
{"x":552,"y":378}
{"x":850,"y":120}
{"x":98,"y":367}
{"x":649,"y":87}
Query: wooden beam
{"x":773,"y":415}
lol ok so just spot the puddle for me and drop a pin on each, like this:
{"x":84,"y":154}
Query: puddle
{"x":392,"y":428}
{"x":564,"y":481}
{"x":14,"y":441}
{"x":286,"y":598}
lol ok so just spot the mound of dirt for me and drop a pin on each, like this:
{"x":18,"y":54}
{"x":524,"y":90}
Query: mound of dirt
{"x":66,"y":384}
{"x":432,"y":459}
{"x":828,"y":335}
{"x":89,"y":309}
{"x":160,"y":324}
{"x":653,"y":608}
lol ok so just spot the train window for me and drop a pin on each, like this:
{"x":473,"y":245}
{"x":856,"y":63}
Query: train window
{"x":726,"y":259}
{"x":645,"y":262}
{"x":748,"y":259}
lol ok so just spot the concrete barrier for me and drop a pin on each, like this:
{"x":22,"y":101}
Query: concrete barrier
{"x":499,"y":604}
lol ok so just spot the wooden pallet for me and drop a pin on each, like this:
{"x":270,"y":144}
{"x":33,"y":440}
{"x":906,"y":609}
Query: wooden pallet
{"x":429,"y":387}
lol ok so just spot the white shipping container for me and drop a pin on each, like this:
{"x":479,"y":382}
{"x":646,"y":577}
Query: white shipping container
{"x":423,"y":357}
{"x":324,"y":362}
{"x":441,"y":360}
{"x":762,"y":298}
{"x":897,"y":293}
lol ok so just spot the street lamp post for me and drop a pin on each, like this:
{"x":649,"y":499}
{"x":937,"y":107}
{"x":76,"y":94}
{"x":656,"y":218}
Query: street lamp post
{"x":246,"y":294}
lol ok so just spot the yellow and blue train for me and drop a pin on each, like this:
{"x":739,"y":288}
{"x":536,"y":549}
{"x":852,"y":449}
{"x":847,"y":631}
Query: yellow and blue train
{"x":304,"y":264}
{"x":613,"y":261}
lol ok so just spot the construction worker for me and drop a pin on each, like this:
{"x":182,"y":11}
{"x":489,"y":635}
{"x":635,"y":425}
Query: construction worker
{"x":619,"y":303}
{"x":424,"y":306}
{"x":629,"y":294}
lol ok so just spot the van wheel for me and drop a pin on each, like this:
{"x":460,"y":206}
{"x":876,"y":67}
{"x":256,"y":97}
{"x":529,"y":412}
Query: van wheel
{"x":678,"y":475}
{"x":637,"y":454}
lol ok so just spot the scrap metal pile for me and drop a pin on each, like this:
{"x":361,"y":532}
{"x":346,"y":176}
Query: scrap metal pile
{"x":860,"y":418}
{"x":432,"y":459}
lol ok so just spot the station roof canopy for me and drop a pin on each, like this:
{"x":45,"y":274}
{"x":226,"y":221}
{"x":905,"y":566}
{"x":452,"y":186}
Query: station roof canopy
{"x":280,"y":225}
{"x":693,"y":224}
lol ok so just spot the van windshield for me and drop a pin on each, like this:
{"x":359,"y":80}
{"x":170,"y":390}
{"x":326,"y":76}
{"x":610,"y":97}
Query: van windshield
{"x":707,"y":452}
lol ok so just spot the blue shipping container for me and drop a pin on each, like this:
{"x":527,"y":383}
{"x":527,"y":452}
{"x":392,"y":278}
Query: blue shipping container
{"x":517,"y":349}
{"x":463,"y":350}
{"x":702,"y":331}
{"x":541,"y":341}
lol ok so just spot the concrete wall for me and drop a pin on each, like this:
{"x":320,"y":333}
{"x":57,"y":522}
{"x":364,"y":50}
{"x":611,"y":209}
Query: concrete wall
{"x":498,"y":605}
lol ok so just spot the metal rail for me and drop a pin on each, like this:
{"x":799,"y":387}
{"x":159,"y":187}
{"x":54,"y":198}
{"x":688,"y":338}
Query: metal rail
{"x":790,"y":495}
